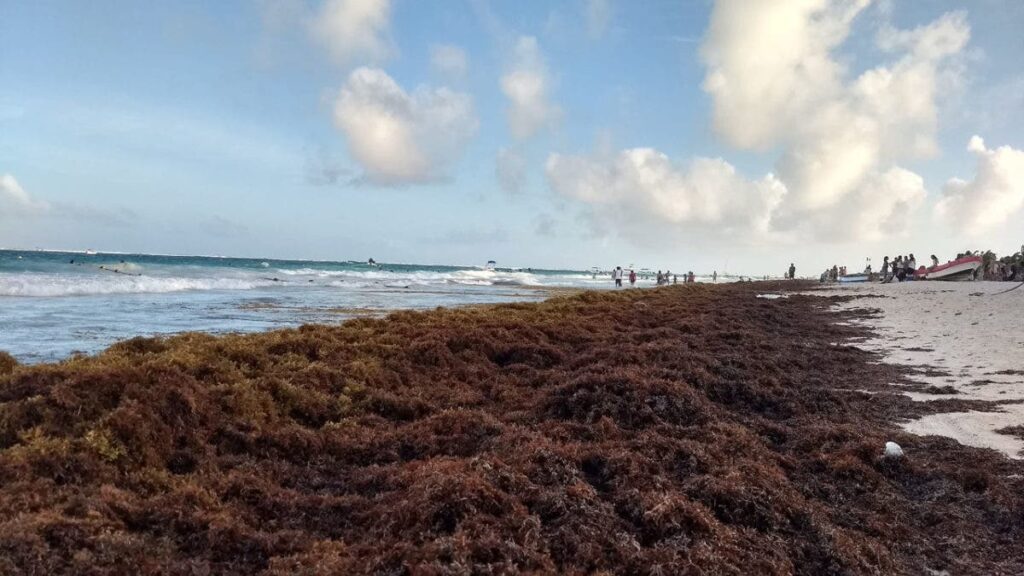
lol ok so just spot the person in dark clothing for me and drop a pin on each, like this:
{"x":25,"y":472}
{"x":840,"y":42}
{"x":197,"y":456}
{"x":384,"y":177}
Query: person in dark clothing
{"x":792,"y":271}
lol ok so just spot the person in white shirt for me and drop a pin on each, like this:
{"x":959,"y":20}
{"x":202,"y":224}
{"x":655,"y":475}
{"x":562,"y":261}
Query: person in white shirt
{"x":617,"y":276}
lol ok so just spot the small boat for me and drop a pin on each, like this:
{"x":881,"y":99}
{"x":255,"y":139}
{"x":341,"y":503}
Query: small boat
{"x":91,"y":252}
{"x":959,"y":269}
{"x":854,"y":278}
{"x":490,"y":265}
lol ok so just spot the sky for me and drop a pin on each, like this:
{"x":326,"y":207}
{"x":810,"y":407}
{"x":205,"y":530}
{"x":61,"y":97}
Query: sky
{"x":728,"y":135}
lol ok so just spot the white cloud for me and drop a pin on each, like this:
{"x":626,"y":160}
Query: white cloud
{"x":839,"y":138}
{"x":598,"y":15}
{"x":994,"y":195}
{"x":837,"y":135}
{"x":14,"y":201}
{"x":510,"y":169}
{"x":354,"y":30}
{"x":634,"y":189}
{"x":449,"y":59}
{"x":526,"y":85}
{"x":399,"y":137}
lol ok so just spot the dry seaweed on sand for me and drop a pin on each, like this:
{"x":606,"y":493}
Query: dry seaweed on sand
{"x":683,"y":430}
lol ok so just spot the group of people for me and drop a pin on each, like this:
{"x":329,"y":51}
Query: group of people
{"x":663,"y":278}
{"x":901,"y":267}
{"x":670,"y":278}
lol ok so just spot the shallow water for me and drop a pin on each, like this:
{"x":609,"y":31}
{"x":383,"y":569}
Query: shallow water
{"x":53,"y":304}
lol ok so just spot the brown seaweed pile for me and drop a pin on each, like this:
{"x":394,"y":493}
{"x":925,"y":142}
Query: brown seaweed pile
{"x":683,"y":430}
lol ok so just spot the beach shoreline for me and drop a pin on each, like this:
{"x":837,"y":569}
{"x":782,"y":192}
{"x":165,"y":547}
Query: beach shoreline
{"x":683,"y":429}
{"x":959,"y":341}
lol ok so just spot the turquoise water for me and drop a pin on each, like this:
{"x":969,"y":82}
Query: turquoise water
{"x":54,"y":304}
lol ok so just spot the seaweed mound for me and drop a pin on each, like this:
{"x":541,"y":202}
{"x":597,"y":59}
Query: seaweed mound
{"x":683,"y":430}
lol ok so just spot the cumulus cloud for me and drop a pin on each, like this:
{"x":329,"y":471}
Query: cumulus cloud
{"x":994,"y":195}
{"x":598,"y":15}
{"x":354,"y":30}
{"x":510,"y":169}
{"x":399,"y":137}
{"x":837,"y":134}
{"x":635,"y":187}
{"x":527,"y":85}
{"x":449,"y":59}
{"x":838,"y":138}
{"x":15,"y":201}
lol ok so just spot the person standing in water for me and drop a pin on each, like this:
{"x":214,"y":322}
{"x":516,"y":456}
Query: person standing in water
{"x":617,"y":276}
{"x":714,"y":277}
{"x":632,"y":277}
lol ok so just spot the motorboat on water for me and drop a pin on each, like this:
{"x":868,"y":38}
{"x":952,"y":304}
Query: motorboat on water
{"x":490,"y":265}
{"x":959,"y":269}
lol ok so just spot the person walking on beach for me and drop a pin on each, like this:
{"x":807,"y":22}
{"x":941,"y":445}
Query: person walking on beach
{"x":792,"y":271}
{"x":632,"y":277}
{"x":885,"y":269}
{"x":617,"y":276}
{"x":661,"y":278}
{"x":714,"y":277}
{"x":911,"y":266}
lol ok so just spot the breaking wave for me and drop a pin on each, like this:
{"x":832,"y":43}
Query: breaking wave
{"x":49,"y":285}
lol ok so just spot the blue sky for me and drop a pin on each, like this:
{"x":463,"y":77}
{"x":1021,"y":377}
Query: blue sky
{"x":224,"y":128}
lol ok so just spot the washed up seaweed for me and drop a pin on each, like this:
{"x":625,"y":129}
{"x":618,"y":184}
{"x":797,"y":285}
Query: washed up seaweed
{"x":681,"y":430}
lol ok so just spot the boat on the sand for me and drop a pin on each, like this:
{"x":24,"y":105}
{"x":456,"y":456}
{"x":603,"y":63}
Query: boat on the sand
{"x":959,"y":269}
{"x":854,"y":278}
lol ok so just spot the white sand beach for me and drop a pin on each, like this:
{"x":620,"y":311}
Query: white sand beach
{"x":969,"y":336}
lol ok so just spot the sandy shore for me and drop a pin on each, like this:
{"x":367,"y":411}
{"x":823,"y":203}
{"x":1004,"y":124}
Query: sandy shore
{"x":968,"y":337}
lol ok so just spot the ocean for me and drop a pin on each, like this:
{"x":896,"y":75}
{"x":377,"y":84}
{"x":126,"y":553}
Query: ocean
{"x":55,"y":304}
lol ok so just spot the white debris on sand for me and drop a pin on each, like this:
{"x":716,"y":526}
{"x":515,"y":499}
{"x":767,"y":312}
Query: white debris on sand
{"x":893,"y":450}
{"x":970,"y":338}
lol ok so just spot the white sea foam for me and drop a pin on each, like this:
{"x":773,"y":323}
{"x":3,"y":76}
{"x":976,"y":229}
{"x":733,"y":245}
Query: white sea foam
{"x":356,"y":278}
{"x":49,"y":285}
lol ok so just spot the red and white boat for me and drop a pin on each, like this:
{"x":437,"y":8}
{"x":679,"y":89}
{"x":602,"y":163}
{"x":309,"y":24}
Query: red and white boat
{"x":959,"y":269}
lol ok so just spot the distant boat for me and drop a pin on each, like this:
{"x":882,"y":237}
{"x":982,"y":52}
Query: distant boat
{"x":490,"y":265}
{"x":959,"y":269}
{"x":91,"y":252}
